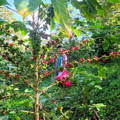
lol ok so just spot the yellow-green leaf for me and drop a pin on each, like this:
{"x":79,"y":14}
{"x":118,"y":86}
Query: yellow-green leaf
{"x":62,"y":15}
{"x":26,"y":7}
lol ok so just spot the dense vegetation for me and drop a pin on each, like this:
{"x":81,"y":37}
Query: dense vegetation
{"x":89,"y":31}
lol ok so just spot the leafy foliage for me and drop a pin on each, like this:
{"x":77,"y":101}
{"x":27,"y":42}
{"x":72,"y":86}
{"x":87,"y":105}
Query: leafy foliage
{"x":89,"y":8}
{"x":61,"y":14}
{"x":28,"y":89}
{"x":3,"y":2}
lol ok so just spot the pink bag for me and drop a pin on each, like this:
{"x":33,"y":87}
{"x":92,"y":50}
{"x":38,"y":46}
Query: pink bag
{"x":62,"y":75}
{"x":62,"y":78}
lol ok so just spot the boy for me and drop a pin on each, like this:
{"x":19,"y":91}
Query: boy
{"x":61,"y":60}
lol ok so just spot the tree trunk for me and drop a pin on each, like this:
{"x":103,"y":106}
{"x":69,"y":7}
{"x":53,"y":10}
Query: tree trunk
{"x":36,"y":112}
{"x":36,"y":89}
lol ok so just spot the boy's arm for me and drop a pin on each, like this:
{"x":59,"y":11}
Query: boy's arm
{"x":65,"y":61}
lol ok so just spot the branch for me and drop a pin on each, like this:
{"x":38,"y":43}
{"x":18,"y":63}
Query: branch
{"x":46,"y":89}
{"x":6,"y":96}
{"x":28,"y":83}
{"x":24,"y":111}
{"x":26,"y":95}
{"x":8,"y":59}
{"x":96,"y":114}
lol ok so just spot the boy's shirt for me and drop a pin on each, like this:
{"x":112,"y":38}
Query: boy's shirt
{"x":61,"y":61}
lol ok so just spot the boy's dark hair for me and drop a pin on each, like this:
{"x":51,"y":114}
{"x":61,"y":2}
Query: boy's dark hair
{"x":59,"y":46}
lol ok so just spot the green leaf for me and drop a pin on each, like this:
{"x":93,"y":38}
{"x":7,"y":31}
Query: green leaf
{"x":3,"y":2}
{"x":2,"y":21}
{"x":102,"y":72}
{"x":12,"y":112}
{"x":106,"y":45}
{"x":19,"y":27}
{"x":17,"y":118}
{"x":26,"y":90}
{"x":5,"y":117}
{"x":114,"y":1}
{"x":99,"y":106}
{"x":89,"y":8}
{"x":61,"y":14}
{"x":92,"y":83}
{"x":26,"y":7}
{"x":96,"y":26}
{"x":52,"y":24}
{"x":99,"y":87}
{"x":77,"y":32}
{"x":16,"y":89}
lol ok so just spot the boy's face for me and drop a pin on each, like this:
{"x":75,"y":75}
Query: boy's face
{"x":59,"y":50}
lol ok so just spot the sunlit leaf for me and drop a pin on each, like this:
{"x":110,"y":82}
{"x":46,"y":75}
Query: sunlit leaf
{"x":89,"y":8}
{"x":102,"y":72}
{"x":99,"y":87}
{"x":61,"y":15}
{"x":12,"y":112}
{"x":99,"y":106}
{"x":77,"y":32}
{"x":26,"y":7}
{"x":114,"y":1}
{"x":19,"y":27}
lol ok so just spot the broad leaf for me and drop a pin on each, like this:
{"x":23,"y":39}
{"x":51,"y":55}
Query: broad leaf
{"x":89,"y":8}
{"x":19,"y":27}
{"x":3,"y":2}
{"x":61,"y":14}
{"x":26,"y":7}
{"x":52,"y":24}
{"x":77,"y":32}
